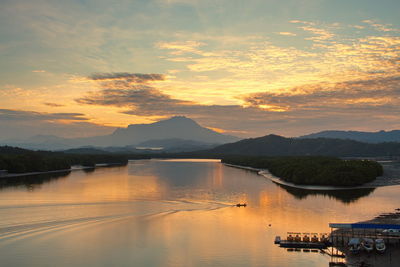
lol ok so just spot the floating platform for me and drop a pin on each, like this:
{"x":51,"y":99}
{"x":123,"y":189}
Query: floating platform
{"x":290,"y":244}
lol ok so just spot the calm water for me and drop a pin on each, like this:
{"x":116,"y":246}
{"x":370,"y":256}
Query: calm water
{"x":170,"y":213}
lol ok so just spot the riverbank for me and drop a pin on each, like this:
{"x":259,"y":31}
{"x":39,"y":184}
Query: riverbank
{"x":73,"y":168}
{"x":391,"y":177}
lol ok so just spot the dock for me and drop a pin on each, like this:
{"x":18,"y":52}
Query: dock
{"x":305,"y":241}
{"x":310,"y":245}
{"x":341,"y":233}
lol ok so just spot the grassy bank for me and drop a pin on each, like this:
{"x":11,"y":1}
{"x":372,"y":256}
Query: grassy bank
{"x":313,"y":170}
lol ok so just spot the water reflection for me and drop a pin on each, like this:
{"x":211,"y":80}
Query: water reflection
{"x":167,"y":213}
{"x":345,"y":196}
{"x":174,"y":174}
{"x":31,"y":182}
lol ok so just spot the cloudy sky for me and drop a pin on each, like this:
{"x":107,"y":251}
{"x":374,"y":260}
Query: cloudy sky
{"x":247,"y":68}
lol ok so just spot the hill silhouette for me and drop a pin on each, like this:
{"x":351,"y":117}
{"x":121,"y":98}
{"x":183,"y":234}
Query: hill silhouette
{"x":367,"y":137}
{"x":184,"y":131}
{"x":274,"y":145}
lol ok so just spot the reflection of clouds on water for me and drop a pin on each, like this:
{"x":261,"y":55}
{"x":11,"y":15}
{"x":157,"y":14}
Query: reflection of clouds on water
{"x":175,"y":174}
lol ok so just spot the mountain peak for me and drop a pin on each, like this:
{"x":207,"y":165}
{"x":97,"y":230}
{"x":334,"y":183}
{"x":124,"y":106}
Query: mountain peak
{"x":179,"y":127}
{"x":178,"y":119}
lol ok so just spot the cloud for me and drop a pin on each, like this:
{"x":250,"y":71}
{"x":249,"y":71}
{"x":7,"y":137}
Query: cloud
{"x":55,"y":105}
{"x":287,"y":33}
{"x":130,"y":77}
{"x":380,"y":27}
{"x":181,"y":47}
{"x":38,"y":71}
{"x":22,"y":115}
{"x":293,"y":111}
{"x":376,"y":96}
{"x":21,"y":124}
{"x":321,"y":34}
{"x":140,"y":98}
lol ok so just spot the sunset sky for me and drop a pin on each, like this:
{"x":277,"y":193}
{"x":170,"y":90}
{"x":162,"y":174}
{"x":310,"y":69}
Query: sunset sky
{"x":246,"y":68}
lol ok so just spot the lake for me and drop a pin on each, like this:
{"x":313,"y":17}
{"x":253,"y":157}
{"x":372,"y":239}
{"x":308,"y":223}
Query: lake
{"x":170,"y":213}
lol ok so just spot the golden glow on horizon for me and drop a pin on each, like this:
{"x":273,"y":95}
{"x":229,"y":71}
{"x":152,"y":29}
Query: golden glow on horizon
{"x":202,"y":70}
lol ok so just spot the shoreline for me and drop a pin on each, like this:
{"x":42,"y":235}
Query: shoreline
{"x":378,"y":182}
{"x":16,"y":175}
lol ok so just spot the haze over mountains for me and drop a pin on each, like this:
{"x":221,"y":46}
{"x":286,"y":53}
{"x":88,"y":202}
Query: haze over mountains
{"x":368,"y":137}
{"x":274,"y":145}
{"x":172,"y":133}
{"x":181,"y":134}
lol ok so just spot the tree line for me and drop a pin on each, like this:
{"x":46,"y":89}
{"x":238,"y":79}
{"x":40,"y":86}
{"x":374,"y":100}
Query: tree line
{"x":17,"y":160}
{"x":313,"y":170}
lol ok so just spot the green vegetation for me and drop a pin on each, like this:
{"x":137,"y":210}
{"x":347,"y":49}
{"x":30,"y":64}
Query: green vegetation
{"x":17,"y":160}
{"x":313,"y":170}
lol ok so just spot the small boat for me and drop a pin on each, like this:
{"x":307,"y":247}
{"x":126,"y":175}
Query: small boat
{"x":324,"y":238}
{"x":297,"y":238}
{"x":314,"y":238}
{"x":367,"y":244}
{"x":290,"y":238}
{"x":306,"y":238}
{"x":354,"y":245}
{"x":241,"y":205}
{"x":380,"y":245}
{"x":277,"y":240}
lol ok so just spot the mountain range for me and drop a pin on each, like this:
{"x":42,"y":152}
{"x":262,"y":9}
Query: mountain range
{"x":175,"y":133}
{"x":367,"y":137}
{"x":274,"y":145}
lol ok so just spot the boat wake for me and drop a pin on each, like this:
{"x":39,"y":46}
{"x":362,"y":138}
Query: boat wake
{"x":18,"y":231}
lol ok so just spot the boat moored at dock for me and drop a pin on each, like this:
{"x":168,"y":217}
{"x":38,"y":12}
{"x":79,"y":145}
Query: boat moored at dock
{"x":354,"y":245}
{"x":367,"y":244}
{"x":380,"y":245}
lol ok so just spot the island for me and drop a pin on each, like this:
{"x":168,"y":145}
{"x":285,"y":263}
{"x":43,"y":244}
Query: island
{"x":313,"y":170}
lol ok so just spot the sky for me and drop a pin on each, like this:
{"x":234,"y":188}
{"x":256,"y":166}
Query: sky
{"x":246,"y":68}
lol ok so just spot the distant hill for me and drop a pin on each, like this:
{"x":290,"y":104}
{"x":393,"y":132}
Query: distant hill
{"x":368,"y":137}
{"x":175,"y":128}
{"x":274,"y":145}
{"x":9,"y":150}
{"x":85,"y":150}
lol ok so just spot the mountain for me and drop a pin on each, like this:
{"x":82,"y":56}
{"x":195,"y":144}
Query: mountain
{"x":178,"y":128}
{"x":274,"y":145}
{"x":368,"y":137}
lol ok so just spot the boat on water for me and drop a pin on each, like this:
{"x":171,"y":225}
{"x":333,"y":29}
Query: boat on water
{"x":241,"y":205}
{"x":380,"y":245}
{"x":306,"y":237}
{"x":290,"y":237}
{"x":297,"y":238}
{"x":324,"y":238}
{"x":314,"y":238}
{"x":367,"y":244}
{"x":354,"y":245}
